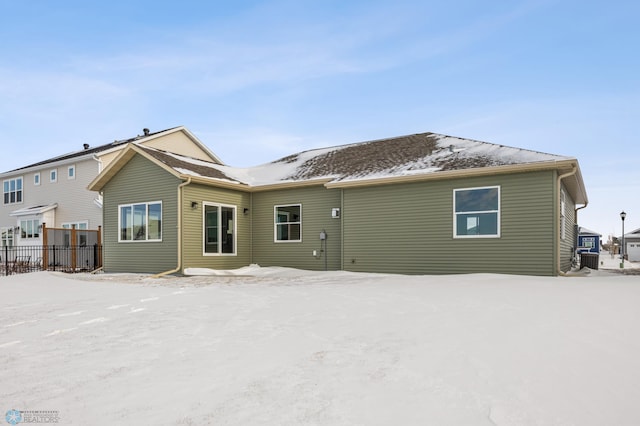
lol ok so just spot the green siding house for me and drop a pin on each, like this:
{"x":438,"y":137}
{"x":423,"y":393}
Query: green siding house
{"x":417,"y":204}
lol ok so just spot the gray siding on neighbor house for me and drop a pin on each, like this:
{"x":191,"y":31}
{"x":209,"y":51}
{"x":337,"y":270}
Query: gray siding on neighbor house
{"x":75,"y":202}
{"x":317,"y":202}
{"x":139,"y":181}
{"x":408,"y":228}
{"x":192,"y":234}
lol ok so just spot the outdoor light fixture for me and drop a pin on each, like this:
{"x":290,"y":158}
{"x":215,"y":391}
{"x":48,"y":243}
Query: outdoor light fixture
{"x":194,"y":204}
{"x":245,"y":210}
{"x":623,"y":215}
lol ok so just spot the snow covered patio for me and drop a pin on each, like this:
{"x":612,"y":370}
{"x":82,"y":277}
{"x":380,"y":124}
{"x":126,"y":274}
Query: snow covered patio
{"x":279,"y":346}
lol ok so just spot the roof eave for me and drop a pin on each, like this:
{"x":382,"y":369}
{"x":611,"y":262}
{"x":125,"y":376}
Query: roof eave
{"x":53,"y":164}
{"x":130,"y":150}
{"x":292,"y":184}
{"x":560,"y":165}
{"x":219,"y":183}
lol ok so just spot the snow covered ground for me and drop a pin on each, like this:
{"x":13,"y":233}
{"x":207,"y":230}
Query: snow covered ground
{"x":274,"y":346}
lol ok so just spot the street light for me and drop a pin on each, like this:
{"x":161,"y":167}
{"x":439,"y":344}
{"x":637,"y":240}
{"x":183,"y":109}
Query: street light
{"x":623,"y":215}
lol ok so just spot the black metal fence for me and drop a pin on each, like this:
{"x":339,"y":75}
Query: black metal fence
{"x":67,"y":258}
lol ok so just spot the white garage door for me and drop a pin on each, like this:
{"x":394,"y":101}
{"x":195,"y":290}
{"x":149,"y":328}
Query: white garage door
{"x":633,"y":250}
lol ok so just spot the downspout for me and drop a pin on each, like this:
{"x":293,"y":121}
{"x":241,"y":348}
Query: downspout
{"x":342,"y":229}
{"x":251,"y":228}
{"x":573,"y":171}
{"x":179,"y":262}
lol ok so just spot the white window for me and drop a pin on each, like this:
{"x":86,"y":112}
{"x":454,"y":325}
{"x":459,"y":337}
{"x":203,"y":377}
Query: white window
{"x":83,"y":224}
{"x":12,"y":191}
{"x":219,"y":229}
{"x":81,"y":237}
{"x":7,"y":237}
{"x":288,"y":223}
{"x":53,"y":175}
{"x":36,"y":179}
{"x":140,"y":222}
{"x":71,"y":172}
{"x":30,"y":228}
{"x":476,"y":212}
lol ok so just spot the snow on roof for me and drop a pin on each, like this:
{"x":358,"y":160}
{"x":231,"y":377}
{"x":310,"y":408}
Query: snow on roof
{"x":423,"y":153}
{"x":584,"y":231}
{"x":33,"y":210}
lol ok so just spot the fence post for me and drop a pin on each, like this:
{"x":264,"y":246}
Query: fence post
{"x":6,"y":260}
{"x":54,"y":256}
{"x":73,"y":248}
{"x":99,"y":265}
{"x":45,"y":247}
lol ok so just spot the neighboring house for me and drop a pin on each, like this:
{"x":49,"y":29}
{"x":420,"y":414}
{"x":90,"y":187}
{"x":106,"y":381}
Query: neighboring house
{"x":418,"y":204}
{"x":55,"y":191}
{"x":632,"y":243}
{"x":588,"y":241}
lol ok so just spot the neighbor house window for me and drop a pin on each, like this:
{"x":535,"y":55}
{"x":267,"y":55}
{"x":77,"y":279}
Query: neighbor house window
{"x":288,"y":223}
{"x":71,"y":172}
{"x":477,"y":212}
{"x":36,"y":179}
{"x":588,"y":242}
{"x":7,"y":237}
{"x":219,"y":233}
{"x":140,"y":222}
{"x":79,"y":225}
{"x":12,"y":190}
{"x":81,"y":237}
{"x":53,"y":175}
{"x":30,"y":228}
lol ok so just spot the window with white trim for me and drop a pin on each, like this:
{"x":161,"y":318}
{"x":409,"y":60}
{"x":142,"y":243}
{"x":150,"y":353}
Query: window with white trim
{"x":7,"y":237}
{"x":83,"y":224}
{"x":219,"y":233}
{"x":476,"y":212}
{"x":53,"y":175}
{"x":36,"y":179}
{"x":288,"y":223}
{"x":140,"y":222}
{"x":30,"y":228}
{"x":81,"y":237}
{"x":71,"y":172}
{"x":12,"y":191}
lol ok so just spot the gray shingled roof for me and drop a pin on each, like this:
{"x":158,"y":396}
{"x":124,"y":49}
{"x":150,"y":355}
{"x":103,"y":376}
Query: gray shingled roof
{"x":405,"y":153}
{"x":187,"y":165}
{"x":424,"y":153}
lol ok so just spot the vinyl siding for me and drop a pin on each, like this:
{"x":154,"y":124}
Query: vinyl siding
{"x":75,"y":202}
{"x":179,"y":143}
{"x":568,"y":244}
{"x":317,"y":202}
{"x":408,"y":228}
{"x":141,"y":181}
{"x":193,"y":227}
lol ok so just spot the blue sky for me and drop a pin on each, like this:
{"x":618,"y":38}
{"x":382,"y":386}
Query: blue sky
{"x":259,"y":80}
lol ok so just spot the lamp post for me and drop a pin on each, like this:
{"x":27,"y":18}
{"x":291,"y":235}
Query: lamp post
{"x":623,"y":215}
